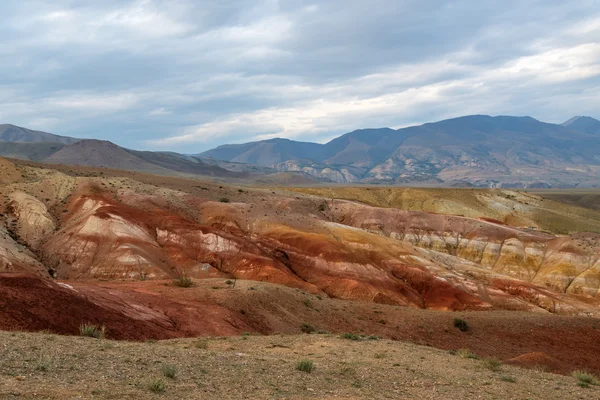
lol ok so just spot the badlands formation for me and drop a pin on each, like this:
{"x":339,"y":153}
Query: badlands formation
{"x":82,"y":244}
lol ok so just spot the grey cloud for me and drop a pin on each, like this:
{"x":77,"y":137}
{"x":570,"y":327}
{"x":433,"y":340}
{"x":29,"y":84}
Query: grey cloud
{"x":188,"y":75}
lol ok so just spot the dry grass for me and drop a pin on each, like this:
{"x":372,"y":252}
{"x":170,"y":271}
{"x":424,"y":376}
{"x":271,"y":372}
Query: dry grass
{"x":258,"y":367}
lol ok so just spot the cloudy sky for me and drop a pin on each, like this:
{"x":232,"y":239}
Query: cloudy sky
{"x":189,"y":75}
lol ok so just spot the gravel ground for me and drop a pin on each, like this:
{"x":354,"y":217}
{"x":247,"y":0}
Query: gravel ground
{"x":42,"y":366}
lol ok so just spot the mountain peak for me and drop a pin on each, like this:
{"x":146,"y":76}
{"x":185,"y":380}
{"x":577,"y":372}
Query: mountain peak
{"x":16,"y":134}
{"x":583,"y":124}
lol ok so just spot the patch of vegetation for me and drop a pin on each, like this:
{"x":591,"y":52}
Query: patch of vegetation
{"x":307,"y":328}
{"x":347,"y":370}
{"x":157,"y":386}
{"x":350,"y":336}
{"x":42,"y":366}
{"x":184,"y":282}
{"x":305,"y":366}
{"x":201,"y":344}
{"x":493,"y":364}
{"x":466,"y":353}
{"x":169,"y":371}
{"x":308,"y":303}
{"x":461,"y":324}
{"x":224,"y":200}
{"x":322,"y":207}
{"x":353,"y":336}
{"x":509,"y":379}
{"x":93,"y":331}
{"x":585,"y":379}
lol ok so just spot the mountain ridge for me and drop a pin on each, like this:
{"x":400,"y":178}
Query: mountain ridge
{"x":16,"y":134}
{"x":480,"y":149}
{"x":472,"y":150}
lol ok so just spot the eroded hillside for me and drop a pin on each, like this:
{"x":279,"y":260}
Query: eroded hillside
{"x":141,"y":227}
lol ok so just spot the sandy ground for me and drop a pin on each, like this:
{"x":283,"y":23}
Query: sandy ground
{"x":45,"y":366}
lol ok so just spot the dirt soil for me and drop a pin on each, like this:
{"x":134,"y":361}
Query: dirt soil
{"x":43,"y":366}
{"x":161,"y":310}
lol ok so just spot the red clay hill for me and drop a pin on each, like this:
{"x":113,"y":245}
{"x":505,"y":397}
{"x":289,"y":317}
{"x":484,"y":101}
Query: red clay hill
{"x":101,"y":246}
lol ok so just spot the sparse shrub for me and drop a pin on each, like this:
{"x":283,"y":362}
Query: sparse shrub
{"x":157,"y":386}
{"x":322,"y":207}
{"x":466,"y":353}
{"x":42,"y":366}
{"x":382,"y":322}
{"x":350,"y":336}
{"x":373,"y":337}
{"x":461,"y":324}
{"x":240,"y":191}
{"x":201,"y":344}
{"x":306,"y":328}
{"x":585,"y":379}
{"x":229,"y":282}
{"x":305,"y":366}
{"x":493,"y":364}
{"x":347,"y":370}
{"x":224,"y":200}
{"x":93,"y":331}
{"x":379,"y":355}
{"x":308,"y":303}
{"x":184,"y":282}
{"x":169,"y":371}
{"x":508,"y":379}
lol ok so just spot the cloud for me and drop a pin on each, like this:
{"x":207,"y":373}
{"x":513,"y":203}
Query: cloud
{"x":186,"y":75}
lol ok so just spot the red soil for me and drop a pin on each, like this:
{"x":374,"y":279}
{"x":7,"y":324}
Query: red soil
{"x":160,"y":310}
{"x":537,"y":360}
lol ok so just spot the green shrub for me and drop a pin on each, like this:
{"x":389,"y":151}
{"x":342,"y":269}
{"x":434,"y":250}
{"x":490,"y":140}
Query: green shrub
{"x":585,"y":379}
{"x":184,"y":282}
{"x":508,"y":379}
{"x":224,"y":200}
{"x":157,"y":386}
{"x":466,"y":353}
{"x":306,"y":328}
{"x":169,"y":371}
{"x":350,"y":336}
{"x":93,"y":331}
{"x":461,"y":324}
{"x":493,"y":364}
{"x":305,"y":366}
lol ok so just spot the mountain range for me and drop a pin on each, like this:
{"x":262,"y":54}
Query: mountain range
{"x":476,"y":150}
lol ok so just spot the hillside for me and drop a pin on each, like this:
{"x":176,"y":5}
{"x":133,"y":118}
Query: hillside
{"x":98,"y":153}
{"x":36,"y":151}
{"x":136,"y":226}
{"x":584,"y":124}
{"x":16,"y":134}
{"x":164,"y":257}
{"x":481,"y":150}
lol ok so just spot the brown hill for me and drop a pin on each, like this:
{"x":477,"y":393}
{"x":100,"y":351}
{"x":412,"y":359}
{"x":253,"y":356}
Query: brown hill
{"x":16,"y":134}
{"x":100,"y":153}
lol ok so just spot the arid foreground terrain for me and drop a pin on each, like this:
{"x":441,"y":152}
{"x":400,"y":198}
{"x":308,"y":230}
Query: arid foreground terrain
{"x":81,"y":245}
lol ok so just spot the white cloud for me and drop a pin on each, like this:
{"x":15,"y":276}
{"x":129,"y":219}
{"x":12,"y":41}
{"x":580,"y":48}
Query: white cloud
{"x":183,"y":73}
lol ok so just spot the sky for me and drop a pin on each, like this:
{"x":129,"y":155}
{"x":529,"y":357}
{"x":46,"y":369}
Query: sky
{"x":190,"y":75}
